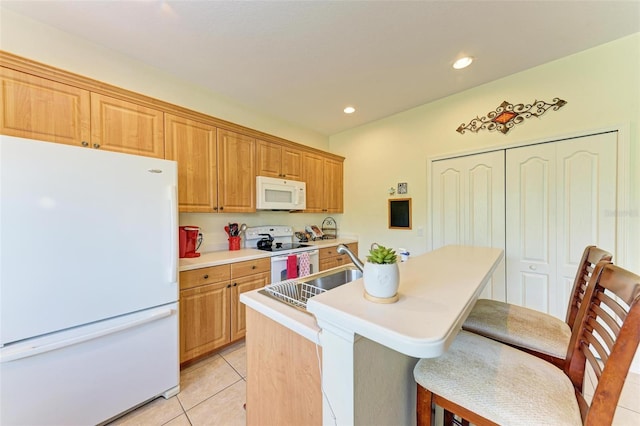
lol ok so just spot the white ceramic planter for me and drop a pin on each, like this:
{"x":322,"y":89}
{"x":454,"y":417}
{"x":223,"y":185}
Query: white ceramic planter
{"x":381,"y":280}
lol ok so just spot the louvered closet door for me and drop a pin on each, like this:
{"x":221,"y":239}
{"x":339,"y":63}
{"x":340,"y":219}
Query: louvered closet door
{"x":559,"y":199}
{"x":468,"y":207}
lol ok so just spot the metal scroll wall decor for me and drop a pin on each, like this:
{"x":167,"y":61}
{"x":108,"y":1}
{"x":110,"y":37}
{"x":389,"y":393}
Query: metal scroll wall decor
{"x":508,"y":115}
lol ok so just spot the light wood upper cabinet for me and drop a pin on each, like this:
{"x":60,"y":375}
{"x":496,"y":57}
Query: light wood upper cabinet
{"x":193,"y":146}
{"x":324,"y":178}
{"x":278,"y":161}
{"x":312,"y":174}
{"x":236,"y":173}
{"x":123,"y":126}
{"x":217,"y":160}
{"x":36,"y":108}
{"x":333,"y":186}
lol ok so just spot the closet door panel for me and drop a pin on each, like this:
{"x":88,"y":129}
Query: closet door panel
{"x":447,"y":205}
{"x":586,"y":202}
{"x":468,"y":207}
{"x":531,"y":225}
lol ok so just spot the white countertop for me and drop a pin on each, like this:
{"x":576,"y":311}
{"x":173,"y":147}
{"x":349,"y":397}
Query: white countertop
{"x":294,"y":319}
{"x":227,"y":256}
{"x":437,"y":291}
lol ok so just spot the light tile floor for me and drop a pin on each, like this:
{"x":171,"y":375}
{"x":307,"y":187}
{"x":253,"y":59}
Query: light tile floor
{"x":213,"y":391}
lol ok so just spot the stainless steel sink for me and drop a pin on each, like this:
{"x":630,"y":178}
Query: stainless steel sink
{"x":296,"y":292}
{"x":335,"y":278}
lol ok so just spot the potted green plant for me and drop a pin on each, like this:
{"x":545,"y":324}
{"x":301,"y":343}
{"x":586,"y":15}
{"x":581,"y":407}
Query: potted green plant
{"x":381,"y":274}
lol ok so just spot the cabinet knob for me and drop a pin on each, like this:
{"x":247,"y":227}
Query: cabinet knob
{"x":235,"y":284}
{"x":222,"y":208}
{"x":215,"y":208}
{"x":533,"y":267}
{"x":206,"y":276}
{"x":253,"y":267}
{"x":96,"y":145}
{"x":229,"y":286}
{"x":85,"y":143}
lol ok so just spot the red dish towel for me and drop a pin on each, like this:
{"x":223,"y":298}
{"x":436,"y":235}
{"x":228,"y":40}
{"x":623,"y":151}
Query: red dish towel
{"x":292,"y":266}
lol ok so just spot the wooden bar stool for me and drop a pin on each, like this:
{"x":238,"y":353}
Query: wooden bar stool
{"x":535,"y":332}
{"x":486,"y":382}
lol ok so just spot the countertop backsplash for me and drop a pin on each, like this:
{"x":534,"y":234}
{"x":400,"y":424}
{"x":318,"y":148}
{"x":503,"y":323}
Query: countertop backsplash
{"x":215,"y":238}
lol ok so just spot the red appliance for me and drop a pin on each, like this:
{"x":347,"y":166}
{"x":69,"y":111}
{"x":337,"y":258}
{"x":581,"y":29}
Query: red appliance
{"x":190,"y":240}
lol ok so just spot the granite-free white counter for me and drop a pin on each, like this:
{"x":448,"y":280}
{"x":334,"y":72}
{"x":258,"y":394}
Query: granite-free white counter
{"x":437,"y":291}
{"x":223,"y":257}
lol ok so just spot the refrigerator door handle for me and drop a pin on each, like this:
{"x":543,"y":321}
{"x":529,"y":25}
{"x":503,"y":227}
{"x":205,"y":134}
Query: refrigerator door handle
{"x":36,"y":350}
{"x":173,"y":265}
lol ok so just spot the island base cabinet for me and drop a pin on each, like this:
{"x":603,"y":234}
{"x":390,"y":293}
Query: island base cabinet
{"x":283,"y":376}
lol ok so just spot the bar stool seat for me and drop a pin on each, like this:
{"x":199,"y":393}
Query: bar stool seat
{"x":520,"y":326}
{"x":486,"y":383}
{"x":500,"y":383}
{"x":535,"y":332}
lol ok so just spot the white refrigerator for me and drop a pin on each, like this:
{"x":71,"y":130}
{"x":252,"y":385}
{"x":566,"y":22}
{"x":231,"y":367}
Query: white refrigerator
{"x":88,"y":283}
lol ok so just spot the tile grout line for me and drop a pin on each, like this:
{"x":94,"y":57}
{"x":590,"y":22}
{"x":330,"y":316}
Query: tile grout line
{"x":211,"y":396}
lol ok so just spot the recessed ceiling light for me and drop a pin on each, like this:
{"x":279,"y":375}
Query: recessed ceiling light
{"x":349,"y":110}
{"x":462,"y":62}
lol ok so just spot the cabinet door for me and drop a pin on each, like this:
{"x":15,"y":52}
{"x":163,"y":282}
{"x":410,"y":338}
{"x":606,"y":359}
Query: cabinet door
{"x":268,"y":159}
{"x":467,"y":207}
{"x":193,"y":146}
{"x":312,"y":172}
{"x":204,"y":319}
{"x":236,"y":173}
{"x":333,"y":183}
{"x":239,"y":286}
{"x":35,"y":108}
{"x":291,"y":163}
{"x":123,"y":126}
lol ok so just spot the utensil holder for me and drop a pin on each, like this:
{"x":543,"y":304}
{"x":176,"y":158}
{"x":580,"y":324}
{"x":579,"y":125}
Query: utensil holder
{"x":234,"y":243}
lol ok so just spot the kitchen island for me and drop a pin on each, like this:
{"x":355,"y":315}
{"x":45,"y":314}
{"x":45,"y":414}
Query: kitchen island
{"x":368,"y":349}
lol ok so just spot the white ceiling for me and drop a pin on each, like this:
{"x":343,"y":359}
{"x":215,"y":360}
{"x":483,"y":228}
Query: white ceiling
{"x":304,"y":61}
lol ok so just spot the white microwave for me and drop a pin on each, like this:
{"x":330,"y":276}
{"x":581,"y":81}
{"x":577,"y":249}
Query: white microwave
{"x":280,"y":194}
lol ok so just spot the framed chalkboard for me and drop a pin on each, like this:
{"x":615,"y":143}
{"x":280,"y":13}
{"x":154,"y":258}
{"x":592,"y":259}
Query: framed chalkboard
{"x":400,"y":213}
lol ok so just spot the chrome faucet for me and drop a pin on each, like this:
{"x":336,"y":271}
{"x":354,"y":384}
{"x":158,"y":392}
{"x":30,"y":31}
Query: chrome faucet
{"x":342,"y":249}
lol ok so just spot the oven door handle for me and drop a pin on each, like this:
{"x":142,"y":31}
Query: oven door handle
{"x":284,"y":257}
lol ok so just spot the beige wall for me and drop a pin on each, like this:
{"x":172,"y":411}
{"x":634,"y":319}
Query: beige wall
{"x":601,"y":86}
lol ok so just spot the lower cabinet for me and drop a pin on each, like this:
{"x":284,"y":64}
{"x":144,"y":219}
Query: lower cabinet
{"x":330,"y":258}
{"x":211,"y":314}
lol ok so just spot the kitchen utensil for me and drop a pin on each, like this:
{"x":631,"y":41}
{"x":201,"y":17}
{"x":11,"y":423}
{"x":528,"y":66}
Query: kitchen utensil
{"x":226,"y":229}
{"x":243,"y":228}
{"x":233,"y":229}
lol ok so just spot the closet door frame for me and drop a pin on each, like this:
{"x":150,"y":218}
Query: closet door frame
{"x":621,"y":252}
